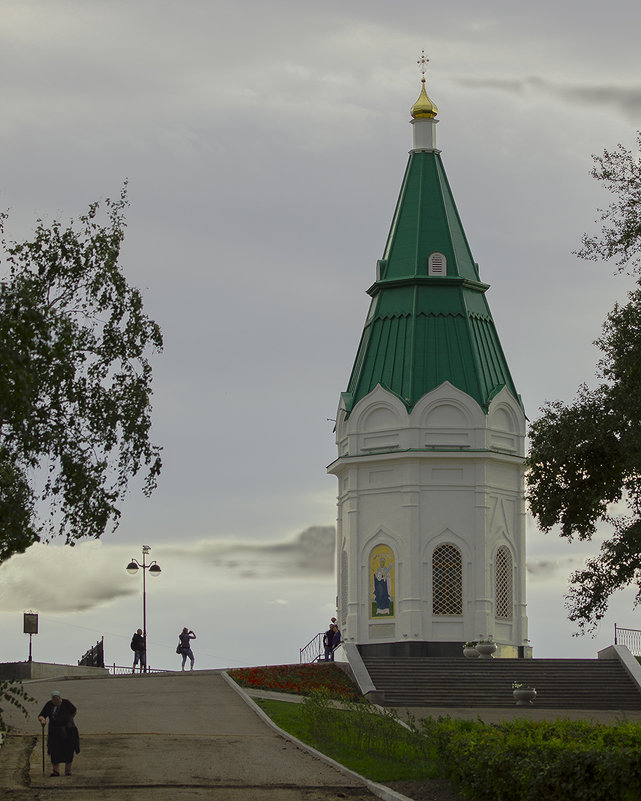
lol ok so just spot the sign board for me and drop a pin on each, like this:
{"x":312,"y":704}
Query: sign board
{"x":30,"y":623}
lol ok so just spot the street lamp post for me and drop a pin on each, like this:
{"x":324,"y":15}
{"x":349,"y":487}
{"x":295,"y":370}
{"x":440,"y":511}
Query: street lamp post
{"x":154,"y":570}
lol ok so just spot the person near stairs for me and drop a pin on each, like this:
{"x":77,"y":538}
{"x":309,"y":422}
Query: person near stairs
{"x":185,"y":637}
{"x":327,"y":643}
{"x":336,"y":638}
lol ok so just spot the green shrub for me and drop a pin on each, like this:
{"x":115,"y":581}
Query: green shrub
{"x":528,"y":761}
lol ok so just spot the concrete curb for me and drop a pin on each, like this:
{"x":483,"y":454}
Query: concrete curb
{"x":359,"y":670}
{"x":623,"y":654}
{"x":380,"y":790}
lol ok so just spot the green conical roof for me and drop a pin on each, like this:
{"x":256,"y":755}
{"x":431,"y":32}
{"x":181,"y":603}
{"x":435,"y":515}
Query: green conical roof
{"x":423,"y":329}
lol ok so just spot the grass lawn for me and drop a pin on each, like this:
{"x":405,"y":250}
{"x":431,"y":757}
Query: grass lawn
{"x":379,"y":769}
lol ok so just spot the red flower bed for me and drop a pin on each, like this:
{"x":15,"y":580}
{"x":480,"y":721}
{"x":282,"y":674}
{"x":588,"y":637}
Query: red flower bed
{"x":299,"y":679}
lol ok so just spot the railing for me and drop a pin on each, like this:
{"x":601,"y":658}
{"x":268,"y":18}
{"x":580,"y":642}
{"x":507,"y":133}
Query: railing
{"x":313,"y":651}
{"x":119,"y":670}
{"x":95,"y":656}
{"x":631,"y":638}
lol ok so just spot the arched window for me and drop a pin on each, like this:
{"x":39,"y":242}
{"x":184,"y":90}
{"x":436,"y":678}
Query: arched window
{"x":437,"y":264}
{"x":504,"y":583}
{"x":447,"y":581}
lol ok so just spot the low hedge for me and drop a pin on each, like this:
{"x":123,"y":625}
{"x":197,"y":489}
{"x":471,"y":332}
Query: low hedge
{"x":530,"y":761}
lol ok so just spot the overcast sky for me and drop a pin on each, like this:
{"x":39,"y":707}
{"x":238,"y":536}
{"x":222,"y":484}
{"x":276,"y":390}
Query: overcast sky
{"x":264,"y":145}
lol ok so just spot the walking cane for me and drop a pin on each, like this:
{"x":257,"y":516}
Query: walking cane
{"x":43,"y":749}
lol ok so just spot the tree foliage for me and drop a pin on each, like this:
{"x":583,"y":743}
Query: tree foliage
{"x":619,"y":170}
{"x":13,"y":693}
{"x":75,"y":381}
{"x":584,"y":465}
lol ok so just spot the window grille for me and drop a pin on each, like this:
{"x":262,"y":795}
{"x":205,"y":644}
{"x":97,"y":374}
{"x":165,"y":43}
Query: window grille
{"x":447,"y":581}
{"x":504,"y":583}
{"x":437,"y":264}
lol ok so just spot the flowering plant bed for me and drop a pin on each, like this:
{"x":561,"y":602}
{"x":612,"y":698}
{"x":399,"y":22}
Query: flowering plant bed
{"x":299,"y":679}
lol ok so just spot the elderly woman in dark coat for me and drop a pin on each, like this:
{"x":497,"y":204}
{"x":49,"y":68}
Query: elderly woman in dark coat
{"x":63,"y":738}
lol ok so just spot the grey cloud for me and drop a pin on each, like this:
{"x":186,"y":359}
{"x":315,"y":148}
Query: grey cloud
{"x":543,"y":569}
{"x":309,"y":553}
{"x":57,"y":578}
{"x":625,"y":100}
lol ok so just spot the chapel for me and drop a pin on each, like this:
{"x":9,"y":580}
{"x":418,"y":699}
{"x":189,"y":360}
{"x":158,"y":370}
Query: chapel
{"x":430,"y":434}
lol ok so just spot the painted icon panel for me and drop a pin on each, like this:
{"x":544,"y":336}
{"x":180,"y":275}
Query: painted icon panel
{"x":381,"y":569}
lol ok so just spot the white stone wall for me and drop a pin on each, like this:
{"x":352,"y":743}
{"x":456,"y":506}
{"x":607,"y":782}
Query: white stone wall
{"x":446,"y":473}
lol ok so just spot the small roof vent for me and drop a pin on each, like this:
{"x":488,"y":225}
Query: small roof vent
{"x":437,"y":264}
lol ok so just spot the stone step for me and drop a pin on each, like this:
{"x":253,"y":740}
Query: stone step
{"x":560,"y":683}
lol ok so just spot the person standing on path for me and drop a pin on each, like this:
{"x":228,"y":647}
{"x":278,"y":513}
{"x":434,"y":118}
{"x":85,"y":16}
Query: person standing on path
{"x":185,"y":636}
{"x":62,"y":740}
{"x":140,"y":651}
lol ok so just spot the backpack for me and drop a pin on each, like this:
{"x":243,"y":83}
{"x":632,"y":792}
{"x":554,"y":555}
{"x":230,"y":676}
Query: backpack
{"x":133,"y":644}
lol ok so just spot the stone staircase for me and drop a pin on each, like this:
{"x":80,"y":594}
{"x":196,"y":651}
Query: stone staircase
{"x":456,"y":682}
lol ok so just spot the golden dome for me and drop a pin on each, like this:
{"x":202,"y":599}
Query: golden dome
{"x":423,"y":108}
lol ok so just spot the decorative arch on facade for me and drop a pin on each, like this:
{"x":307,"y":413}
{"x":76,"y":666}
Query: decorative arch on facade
{"x":442,"y":537}
{"x":382,"y":582}
{"x":379,"y":418}
{"x":503,"y":419}
{"x":446,"y":415}
{"x":448,"y":406}
{"x":505,"y":414}
{"x":382,"y":534}
{"x":447,"y":580}
{"x":377,"y":411}
{"x":504,"y":583}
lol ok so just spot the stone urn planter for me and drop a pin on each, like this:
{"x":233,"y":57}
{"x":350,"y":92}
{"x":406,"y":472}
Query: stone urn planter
{"x":524,"y":696}
{"x":486,"y":649}
{"x":470,"y":652}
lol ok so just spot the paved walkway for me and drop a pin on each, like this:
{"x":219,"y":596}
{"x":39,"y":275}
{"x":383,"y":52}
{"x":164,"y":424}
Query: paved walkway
{"x":166,"y":737}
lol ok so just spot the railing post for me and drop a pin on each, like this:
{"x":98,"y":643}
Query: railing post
{"x":630,"y":638}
